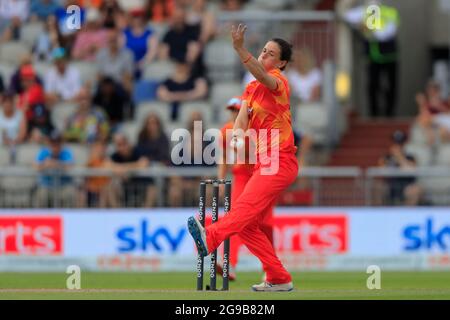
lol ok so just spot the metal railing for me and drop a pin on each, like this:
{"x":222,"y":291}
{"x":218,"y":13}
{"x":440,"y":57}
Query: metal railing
{"x":172,"y":186}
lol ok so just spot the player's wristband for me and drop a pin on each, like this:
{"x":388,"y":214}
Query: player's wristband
{"x":248,"y":59}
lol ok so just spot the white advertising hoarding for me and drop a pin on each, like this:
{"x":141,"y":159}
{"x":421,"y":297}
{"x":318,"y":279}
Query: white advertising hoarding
{"x":157,"y":239}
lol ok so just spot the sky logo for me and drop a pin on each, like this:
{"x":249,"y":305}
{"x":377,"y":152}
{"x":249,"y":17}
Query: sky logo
{"x":427,"y":236}
{"x":143,"y":238}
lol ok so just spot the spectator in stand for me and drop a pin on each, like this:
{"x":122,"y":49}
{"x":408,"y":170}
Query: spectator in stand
{"x":116,"y":61}
{"x":202,"y":21}
{"x":159,"y":11}
{"x":442,"y":122}
{"x":114,"y":101}
{"x":154,"y":145}
{"x":403,"y":190}
{"x":96,"y":189}
{"x":13,"y":125}
{"x":112,"y":15}
{"x":182,"y":86}
{"x":430,"y":106}
{"x":16,"y":80}
{"x":62,"y":82}
{"x":2,"y":86}
{"x":41,"y":10}
{"x":183,"y":190}
{"x":53,"y":184}
{"x":91,"y":39}
{"x":32,"y":103}
{"x":180,"y":43}
{"x":141,"y":40}
{"x":88,"y":124}
{"x":49,"y":40}
{"x":233,"y":5}
{"x":124,"y":160}
{"x":32,"y":91}
{"x":304,"y":77}
{"x":13,"y":13}
{"x":90,"y":3}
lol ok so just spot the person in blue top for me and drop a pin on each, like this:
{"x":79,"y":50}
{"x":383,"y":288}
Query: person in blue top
{"x":42,"y":9}
{"x":141,"y":40}
{"x":52,"y":161}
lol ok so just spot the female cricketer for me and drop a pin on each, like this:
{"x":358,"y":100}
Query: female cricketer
{"x":242,"y":171}
{"x":265,"y":109}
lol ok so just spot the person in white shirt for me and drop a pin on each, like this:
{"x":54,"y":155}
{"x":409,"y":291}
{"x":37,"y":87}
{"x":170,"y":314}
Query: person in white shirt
{"x":13,"y":127}
{"x":14,"y":8}
{"x":13,"y":13}
{"x":305,"y":78}
{"x":62,"y":82}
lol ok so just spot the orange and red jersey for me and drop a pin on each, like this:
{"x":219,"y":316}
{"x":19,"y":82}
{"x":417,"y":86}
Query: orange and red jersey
{"x":270,"y":109}
{"x":238,"y":168}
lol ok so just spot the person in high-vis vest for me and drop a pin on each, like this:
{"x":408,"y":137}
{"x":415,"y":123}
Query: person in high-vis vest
{"x":379,"y":26}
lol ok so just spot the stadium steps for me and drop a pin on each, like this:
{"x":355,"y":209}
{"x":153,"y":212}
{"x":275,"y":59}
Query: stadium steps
{"x":365,"y":142}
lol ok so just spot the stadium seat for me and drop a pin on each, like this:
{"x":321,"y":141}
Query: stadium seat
{"x":131,"y":131}
{"x":162,"y":109}
{"x":4,"y":156}
{"x":203,"y":107}
{"x":313,"y":120}
{"x":42,"y":68}
{"x":7,"y":70}
{"x":30,"y":33}
{"x":220,"y":94}
{"x":421,"y":153}
{"x":88,"y":71}
{"x":129,"y":5}
{"x":443,"y":156}
{"x":159,"y":70}
{"x":169,"y":129}
{"x":221,"y":61}
{"x":26,"y":154}
{"x":268,"y":4}
{"x":16,"y":192}
{"x":80,"y":153}
{"x":144,"y":91}
{"x":160,"y":29}
{"x":60,"y":113}
{"x":12,"y":52}
{"x":436,"y":189}
{"x":417,"y":135}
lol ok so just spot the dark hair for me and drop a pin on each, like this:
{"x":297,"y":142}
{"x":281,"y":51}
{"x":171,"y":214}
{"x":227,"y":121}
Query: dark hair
{"x":286,"y":50}
{"x":143,"y":135}
{"x":399,"y":137}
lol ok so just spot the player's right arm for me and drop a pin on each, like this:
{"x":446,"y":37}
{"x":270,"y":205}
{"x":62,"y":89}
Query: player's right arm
{"x":241,"y":122}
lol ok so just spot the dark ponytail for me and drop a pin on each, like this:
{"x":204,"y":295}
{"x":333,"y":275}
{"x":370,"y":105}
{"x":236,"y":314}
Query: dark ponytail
{"x":286,"y":50}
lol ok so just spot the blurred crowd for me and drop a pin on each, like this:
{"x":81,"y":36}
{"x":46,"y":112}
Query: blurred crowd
{"x":93,"y":62}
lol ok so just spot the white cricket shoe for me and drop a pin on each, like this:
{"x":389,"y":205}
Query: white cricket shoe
{"x":270,"y":287}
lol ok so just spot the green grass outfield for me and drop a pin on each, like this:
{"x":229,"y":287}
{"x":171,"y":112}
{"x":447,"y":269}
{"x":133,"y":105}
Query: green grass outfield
{"x":179,"y":285}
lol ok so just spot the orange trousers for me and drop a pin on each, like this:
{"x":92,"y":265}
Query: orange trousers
{"x":239,"y":182}
{"x":248,"y":214}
